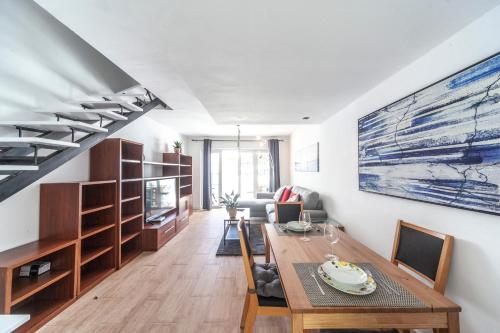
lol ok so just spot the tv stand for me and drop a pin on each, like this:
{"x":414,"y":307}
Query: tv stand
{"x":155,"y":235}
{"x":157,"y":219}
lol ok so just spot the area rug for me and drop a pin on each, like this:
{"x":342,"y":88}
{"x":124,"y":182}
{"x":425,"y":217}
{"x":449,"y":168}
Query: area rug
{"x":233,"y":248}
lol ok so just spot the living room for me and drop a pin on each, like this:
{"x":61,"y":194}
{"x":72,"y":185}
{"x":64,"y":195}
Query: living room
{"x":258,"y":167}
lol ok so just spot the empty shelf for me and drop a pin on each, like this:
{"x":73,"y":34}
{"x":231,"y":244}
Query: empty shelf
{"x":90,"y":254}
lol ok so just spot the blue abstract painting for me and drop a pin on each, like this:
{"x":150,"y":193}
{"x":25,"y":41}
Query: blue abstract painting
{"x":307,"y":159}
{"x":440,"y":144}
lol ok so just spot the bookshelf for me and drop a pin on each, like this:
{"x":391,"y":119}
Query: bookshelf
{"x":86,"y":213}
{"x":41,"y":297}
{"x":122,"y":160}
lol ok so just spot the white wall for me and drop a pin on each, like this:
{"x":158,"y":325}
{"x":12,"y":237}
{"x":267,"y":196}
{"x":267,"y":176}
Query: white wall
{"x":195,"y":148}
{"x":371,"y":218}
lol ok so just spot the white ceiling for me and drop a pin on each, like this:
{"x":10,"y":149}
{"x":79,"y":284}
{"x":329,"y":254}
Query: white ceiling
{"x":261,"y":62}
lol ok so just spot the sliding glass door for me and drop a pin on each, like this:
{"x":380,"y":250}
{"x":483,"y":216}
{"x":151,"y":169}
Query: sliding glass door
{"x":246,"y":173}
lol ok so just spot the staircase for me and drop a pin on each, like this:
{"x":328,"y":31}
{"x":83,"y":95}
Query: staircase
{"x":42,"y":146}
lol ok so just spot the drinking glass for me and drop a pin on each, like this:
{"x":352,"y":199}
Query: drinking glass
{"x":332,"y":235}
{"x":305,"y":221}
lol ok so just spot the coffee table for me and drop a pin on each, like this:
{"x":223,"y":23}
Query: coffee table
{"x":228,"y":222}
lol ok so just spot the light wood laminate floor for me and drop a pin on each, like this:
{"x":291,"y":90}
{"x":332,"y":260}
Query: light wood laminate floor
{"x":183,"y":287}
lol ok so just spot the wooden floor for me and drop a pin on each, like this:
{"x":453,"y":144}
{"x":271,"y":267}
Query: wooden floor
{"x":183,"y":287}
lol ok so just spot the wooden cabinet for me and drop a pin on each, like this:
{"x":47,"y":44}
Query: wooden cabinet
{"x":157,"y":235}
{"x":84,"y":212}
{"x":41,"y":297}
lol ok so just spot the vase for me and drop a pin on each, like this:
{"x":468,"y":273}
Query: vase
{"x":232,"y":212}
{"x":177,"y":150}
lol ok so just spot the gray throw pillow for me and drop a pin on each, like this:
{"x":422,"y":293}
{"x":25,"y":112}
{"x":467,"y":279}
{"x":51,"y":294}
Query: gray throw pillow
{"x":310,"y":198}
{"x":267,"y":281}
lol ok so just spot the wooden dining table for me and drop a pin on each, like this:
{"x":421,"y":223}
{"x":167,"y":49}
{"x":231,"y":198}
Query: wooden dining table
{"x":439,"y":312}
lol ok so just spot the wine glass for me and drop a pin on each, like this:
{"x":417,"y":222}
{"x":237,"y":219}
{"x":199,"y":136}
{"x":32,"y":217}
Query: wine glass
{"x":332,"y":235}
{"x":305,"y":222}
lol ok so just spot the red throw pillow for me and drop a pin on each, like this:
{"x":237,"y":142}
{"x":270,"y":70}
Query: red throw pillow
{"x":286,"y":194}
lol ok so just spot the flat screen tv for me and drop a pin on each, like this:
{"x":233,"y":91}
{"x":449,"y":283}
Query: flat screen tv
{"x":159,"y":197}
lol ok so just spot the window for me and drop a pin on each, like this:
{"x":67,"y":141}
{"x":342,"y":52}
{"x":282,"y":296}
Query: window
{"x":246,"y":173}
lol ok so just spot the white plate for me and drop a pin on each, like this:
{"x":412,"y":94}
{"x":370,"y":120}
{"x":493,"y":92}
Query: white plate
{"x":367,"y":288}
{"x":345,"y":273}
{"x":297,"y":226}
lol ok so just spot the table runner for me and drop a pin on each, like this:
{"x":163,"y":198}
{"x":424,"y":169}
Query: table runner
{"x":393,"y":296}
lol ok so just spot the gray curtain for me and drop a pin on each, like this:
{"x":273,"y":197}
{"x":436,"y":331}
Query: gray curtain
{"x":207,"y":182}
{"x":274,"y":160}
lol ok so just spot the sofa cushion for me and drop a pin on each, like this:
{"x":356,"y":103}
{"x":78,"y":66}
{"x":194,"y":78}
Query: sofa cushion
{"x":278,"y":193}
{"x":310,"y":198}
{"x":257,"y":206}
{"x":269,"y":208}
{"x":294,"y":197}
{"x":271,"y":217}
{"x":286,"y":194}
{"x":267,"y":281}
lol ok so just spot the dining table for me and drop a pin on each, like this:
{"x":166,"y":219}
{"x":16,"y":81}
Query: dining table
{"x":435,"y":310}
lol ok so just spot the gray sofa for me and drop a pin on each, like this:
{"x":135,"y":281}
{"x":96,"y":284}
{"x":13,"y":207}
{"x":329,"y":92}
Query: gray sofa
{"x":263,"y":205}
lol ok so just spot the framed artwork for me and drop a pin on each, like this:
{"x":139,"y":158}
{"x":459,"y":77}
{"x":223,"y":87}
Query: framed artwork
{"x":307,"y":159}
{"x":440,"y":144}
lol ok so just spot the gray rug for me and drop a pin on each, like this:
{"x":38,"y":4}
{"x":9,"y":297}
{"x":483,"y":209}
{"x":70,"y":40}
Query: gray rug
{"x":233,"y":248}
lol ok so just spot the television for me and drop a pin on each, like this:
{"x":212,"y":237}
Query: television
{"x":159,"y":196}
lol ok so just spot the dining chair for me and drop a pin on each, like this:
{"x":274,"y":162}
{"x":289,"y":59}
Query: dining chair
{"x":287,"y":211}
{"x":424,"y":252}
{"x":255,"y":303}
{"x":283,"y":212}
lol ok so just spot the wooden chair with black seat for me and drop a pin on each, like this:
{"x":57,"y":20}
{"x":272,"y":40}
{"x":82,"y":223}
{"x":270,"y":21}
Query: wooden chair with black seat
{"x":284,"y":212}
{"x":264,"y":294}
{"x":424,"y":252}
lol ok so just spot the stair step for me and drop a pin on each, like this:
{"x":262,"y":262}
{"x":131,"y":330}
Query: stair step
{"x":25,"y":142}
{"x":56,"y":126}
{"x":88,"y":114}
{"x":124,"y":94}
{"x":110,"y":104}
{"x":7,"y":169}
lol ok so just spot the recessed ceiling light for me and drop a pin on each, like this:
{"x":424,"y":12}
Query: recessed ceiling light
{"x":306,"y":118}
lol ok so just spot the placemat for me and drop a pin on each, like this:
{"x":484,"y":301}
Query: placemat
{"x":388,"y":293}
{"x":316,"y":231}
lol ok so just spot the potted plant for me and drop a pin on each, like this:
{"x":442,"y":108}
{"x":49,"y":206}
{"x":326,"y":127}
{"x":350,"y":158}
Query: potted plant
{"x":230,"y":201}
{"x":177,"y":147}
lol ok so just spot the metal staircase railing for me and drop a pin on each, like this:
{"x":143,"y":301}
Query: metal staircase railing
{"x":42,"y":146}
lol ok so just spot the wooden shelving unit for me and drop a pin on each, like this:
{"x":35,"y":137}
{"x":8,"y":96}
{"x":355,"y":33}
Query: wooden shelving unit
{"x":44,"y":296}
{"x":86,"y":213}
{"x":179,"y":167}
{"x":122,"y":160}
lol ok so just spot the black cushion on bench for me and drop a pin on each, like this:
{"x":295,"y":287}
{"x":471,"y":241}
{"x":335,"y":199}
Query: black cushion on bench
{"x":267,"y":281}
